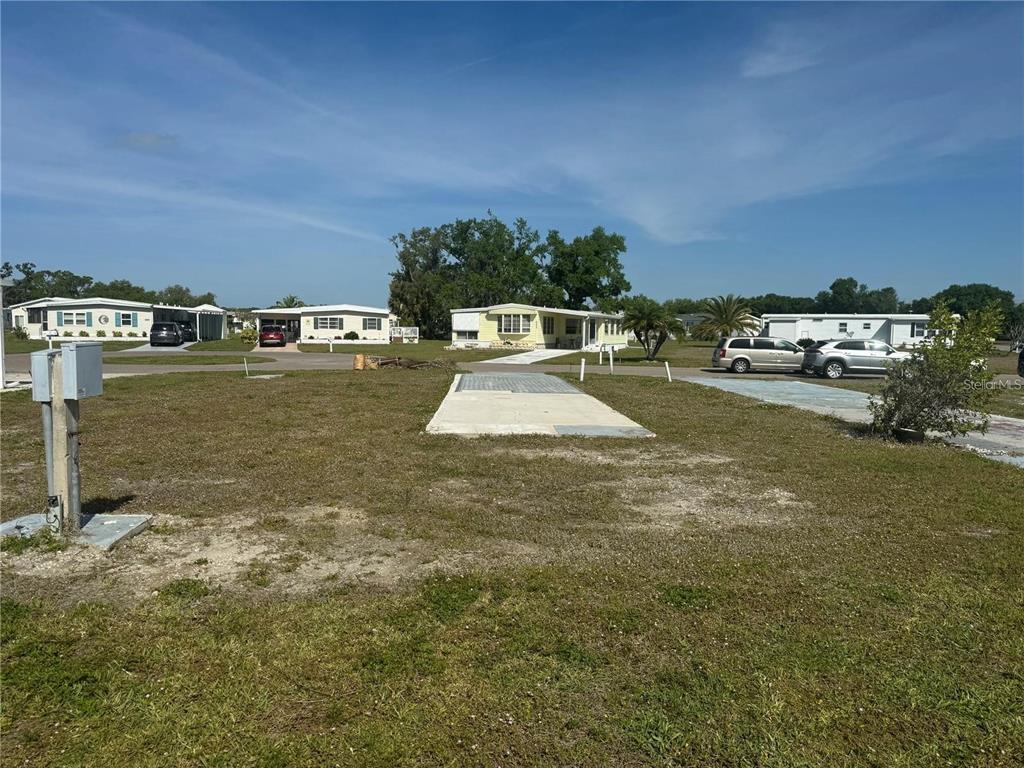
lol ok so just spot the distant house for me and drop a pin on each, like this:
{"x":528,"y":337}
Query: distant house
{"x":99,"y":317}
{"x":897,"y":329}
{"x":523,"y":325}
{"x":329,"y":322}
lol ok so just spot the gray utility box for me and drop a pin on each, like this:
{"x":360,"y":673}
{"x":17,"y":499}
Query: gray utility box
{"x":40,"y":366}
{"x":83,"y":371}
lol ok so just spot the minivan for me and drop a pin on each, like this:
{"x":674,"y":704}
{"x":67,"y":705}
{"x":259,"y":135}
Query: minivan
{"x":165,"y":334}
{"x":743,"y":353}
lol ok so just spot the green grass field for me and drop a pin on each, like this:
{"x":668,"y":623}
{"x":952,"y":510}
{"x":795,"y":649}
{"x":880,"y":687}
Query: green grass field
{"x":14,"y":346}
{"x":233,"y":343}
{"x":426,"y":349}
{"x":325,"y":584}
{"x":183,"y":358}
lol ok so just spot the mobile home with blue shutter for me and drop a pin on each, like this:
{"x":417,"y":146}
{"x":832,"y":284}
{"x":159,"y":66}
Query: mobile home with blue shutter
{"x":100,"y":318}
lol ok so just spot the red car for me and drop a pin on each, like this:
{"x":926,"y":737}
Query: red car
{"x":272,"y":335}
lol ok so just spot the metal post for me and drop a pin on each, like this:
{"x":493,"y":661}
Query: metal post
{"x":48,"y":445}
{"x":74,"y":475}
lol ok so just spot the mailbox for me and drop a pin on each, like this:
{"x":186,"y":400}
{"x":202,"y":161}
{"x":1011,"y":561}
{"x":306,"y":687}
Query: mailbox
{"x":83,"y":369}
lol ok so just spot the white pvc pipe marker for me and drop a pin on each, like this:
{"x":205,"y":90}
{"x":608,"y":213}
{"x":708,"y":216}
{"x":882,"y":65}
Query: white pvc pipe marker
{"x":583,"y":367}
{"x":668,"y":372}
{"x":611,"y":361}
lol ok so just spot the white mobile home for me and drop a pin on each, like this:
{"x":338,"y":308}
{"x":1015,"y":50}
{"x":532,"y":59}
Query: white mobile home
{"x":99,"y":318}
{"x":329,"y":323}
{"x":897,"y":330}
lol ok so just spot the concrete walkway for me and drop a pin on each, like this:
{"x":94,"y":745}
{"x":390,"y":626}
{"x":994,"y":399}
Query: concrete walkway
{"x":147,"y":347}
{"x":532,"y":356}
{"x":1004,"y":440}
{"x":526,"y":404}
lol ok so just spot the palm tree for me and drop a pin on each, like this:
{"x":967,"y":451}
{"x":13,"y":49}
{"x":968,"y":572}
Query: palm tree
{"x":725,"y":316}
{"x":291,"y":300}
{"x":651,"y":323}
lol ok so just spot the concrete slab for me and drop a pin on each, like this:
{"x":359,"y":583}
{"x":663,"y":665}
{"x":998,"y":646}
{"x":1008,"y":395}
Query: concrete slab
{"x":159,"y":350}
{"x":531,"y":356}
{"x":1004,"y":440}
{"x":101,"y":531}
{"x":526,"y":404}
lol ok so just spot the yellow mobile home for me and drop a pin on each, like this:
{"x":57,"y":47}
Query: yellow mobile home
{"x":529,"y":327}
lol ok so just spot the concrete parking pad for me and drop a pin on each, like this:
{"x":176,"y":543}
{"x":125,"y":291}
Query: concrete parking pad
{"x":526,"y":404}
{"x":1004,"y":440}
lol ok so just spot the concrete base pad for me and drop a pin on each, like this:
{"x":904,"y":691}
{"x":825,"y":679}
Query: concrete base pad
{"x":102,"y":531}
{"x":526,"y":404}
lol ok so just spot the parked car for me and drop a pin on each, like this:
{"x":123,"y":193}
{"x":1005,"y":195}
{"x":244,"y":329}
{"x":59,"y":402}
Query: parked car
{"x":834,"y":359}
{"x":272,"y":335}
{"x":165,"y":334}
{"x":743,"y":353}
{"x":188,"y":331}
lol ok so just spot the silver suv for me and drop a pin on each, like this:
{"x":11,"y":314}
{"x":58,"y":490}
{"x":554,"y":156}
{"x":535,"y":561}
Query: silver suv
{"x":743,"y":353}
{"x":834,"y":359}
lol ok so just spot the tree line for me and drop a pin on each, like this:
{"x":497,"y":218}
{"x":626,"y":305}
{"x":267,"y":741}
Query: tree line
{"x":33,"y":283}
{"x":848,"y":296}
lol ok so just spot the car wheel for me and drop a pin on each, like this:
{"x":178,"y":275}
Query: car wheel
{"x":740,"y":366}
{"x":834,"y":369}
{"x":807,"y":371}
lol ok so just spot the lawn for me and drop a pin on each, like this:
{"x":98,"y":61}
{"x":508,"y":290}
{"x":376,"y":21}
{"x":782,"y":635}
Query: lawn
{"x":426,"y":349}
{"x":686,"y":354}
{"x":183,"y":358}
{"x":14,"y":346}
{"x":233,"y":343}
{"x":327,"y":585}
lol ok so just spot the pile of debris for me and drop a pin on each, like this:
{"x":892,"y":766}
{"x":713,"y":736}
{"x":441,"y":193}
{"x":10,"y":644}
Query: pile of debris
{"x":370,"y":362}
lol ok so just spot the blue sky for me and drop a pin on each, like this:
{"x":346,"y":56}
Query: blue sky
{"x":257,"y":150}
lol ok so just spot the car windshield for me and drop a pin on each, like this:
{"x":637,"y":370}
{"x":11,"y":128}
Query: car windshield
{"x":272,"y":329}
{"x":163,"y":326}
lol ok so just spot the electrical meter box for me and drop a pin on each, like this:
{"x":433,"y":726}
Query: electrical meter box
{"x":83,"y":369}
{"x":40,"y":366}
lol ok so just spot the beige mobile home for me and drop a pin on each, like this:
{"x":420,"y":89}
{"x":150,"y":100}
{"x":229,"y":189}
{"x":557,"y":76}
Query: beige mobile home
{"x":529,"y":327}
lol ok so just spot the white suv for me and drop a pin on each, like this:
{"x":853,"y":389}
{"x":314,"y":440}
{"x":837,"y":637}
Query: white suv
{"x":834,"y":359}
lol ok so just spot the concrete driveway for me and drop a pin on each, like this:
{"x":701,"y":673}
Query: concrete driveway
{"x":1004,"y":440}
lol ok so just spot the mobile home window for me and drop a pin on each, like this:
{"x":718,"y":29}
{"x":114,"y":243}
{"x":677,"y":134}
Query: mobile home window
{"x":126,"y":318}
{"x":572,"y":326}
{"x":513,"y":323}
{"x":918,"y":329}
{"x":548,"y":324}
{"x":35,"y":316}
{"x":371,"y":324}
{"x":842,"y":327}
{"x":867,"y":326}
{"x":74,"y":318}
{"x":467,"y":335}
{"x":329,"y":323}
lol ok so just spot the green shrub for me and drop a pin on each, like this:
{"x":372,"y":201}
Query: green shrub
{"x":249,"y":336}
{"x":118,"y":334}
{"x":352,"y":336}
{"x":19,"y":333}
{"x":132,"y":334}
{"x":100,"y":334}
{"x":83,"y":333}
{"x":66,"y":333}
{"x":944,"y":385}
